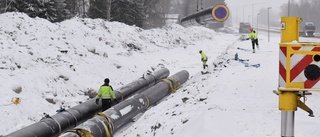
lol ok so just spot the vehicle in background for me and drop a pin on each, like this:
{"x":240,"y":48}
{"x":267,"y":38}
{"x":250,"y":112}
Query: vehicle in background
{"x":244,"y":27}
{"x":307,"y":29}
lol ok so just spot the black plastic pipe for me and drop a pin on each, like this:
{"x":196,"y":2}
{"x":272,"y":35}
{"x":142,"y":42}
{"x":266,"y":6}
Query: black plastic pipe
{"x":106,"y":123}
{"x":58,"y":123}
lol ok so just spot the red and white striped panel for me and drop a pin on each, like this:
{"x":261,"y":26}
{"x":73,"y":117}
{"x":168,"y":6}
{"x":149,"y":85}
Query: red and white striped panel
{"x":282,"y":66}
{"x":298,"y":63}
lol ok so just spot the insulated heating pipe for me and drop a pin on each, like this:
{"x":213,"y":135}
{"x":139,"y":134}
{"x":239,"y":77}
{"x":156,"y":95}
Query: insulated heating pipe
{"x":58,"y":123}
{"x":106,"y":123}
{"x":218,"y":13}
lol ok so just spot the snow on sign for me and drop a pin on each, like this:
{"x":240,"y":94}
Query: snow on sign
{"x":299,"y":66}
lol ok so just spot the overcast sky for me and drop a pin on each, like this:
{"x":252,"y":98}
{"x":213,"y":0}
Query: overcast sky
{"x":246,"y":6}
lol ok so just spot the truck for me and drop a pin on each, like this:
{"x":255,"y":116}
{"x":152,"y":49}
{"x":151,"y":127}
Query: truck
{"x":244,"y":27}
{"x":307,"y":29}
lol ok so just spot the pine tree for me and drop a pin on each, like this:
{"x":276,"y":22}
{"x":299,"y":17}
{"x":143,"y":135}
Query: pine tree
{"x":123,"y":11}
{"x":140,"y":14}
{"x":2,"y":6}
{"x":56,"y":10}
{"x":98,"y":9}
{"x":155,"y":12}
{"x":71,"y":7}
{"x":32,"y":8}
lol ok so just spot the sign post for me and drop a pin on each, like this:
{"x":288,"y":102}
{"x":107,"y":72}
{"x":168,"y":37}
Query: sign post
{"x":299,"y":72}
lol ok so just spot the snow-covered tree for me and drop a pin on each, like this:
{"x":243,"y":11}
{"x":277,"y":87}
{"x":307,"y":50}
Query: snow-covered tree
{"x":56,"y":10}
{"x":71,"y":5}
{"x":124,"y":11}
{"x":155,"y":12}
{"x":2,"y":6}
{"x":33,"y":8}
{"x":98,"y":9}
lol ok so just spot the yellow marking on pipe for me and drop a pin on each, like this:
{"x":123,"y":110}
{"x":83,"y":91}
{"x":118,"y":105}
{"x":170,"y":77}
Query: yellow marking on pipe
{"x":108,"y":134}
{"x":80,"y":132}
{"x":176,"y":82}
{"x":170,"y":84}
{"x":148,"y":101}
{"x":110,"y":123}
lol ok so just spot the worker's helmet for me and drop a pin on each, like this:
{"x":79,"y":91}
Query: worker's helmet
{"x":251,"y":29}
{"x":200,"y":51}
{"x":106,"y":80}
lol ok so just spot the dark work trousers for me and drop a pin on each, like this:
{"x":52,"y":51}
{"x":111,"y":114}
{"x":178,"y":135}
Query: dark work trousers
{"x":254,"y":42}
{"x":106,"y":104}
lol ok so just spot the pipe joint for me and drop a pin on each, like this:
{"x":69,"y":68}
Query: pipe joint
{"x":80,"y":132}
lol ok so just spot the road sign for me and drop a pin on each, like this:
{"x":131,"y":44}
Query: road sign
{"x":299,"y":65}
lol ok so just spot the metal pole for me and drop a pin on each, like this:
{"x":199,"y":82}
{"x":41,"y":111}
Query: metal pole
{"x":58,"y":123}
{"x":257,"y":22}
{"x":117,"y":116}
{"x":287,"y":124}
{"x":268,"y":25}
{"x":252,"y":12}
{"x":289,"y":8}
{"x":237,"y":17}
{"x":243,"y":13}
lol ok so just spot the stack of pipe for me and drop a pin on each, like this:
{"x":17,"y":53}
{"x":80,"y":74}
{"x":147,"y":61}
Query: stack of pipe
{"x":58,"y":123}
{"x":106,"y":123}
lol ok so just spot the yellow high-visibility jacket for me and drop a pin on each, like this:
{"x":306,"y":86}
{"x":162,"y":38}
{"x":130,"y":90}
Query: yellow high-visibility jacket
{"x":106,"y":92}
{"x":204,"y":56}
{"x":253,"y":35}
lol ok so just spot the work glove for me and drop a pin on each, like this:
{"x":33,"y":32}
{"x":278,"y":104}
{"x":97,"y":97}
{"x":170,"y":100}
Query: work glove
{"x":97,"y":101}
{"x":60,"y":110}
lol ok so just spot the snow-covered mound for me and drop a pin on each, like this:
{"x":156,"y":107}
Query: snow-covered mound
{"x":48,"y":64}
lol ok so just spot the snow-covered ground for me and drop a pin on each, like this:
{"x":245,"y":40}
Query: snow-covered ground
{"x":62,"y":62}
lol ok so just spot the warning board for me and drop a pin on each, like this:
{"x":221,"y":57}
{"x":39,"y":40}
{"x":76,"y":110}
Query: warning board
{"x":299,"y":66}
